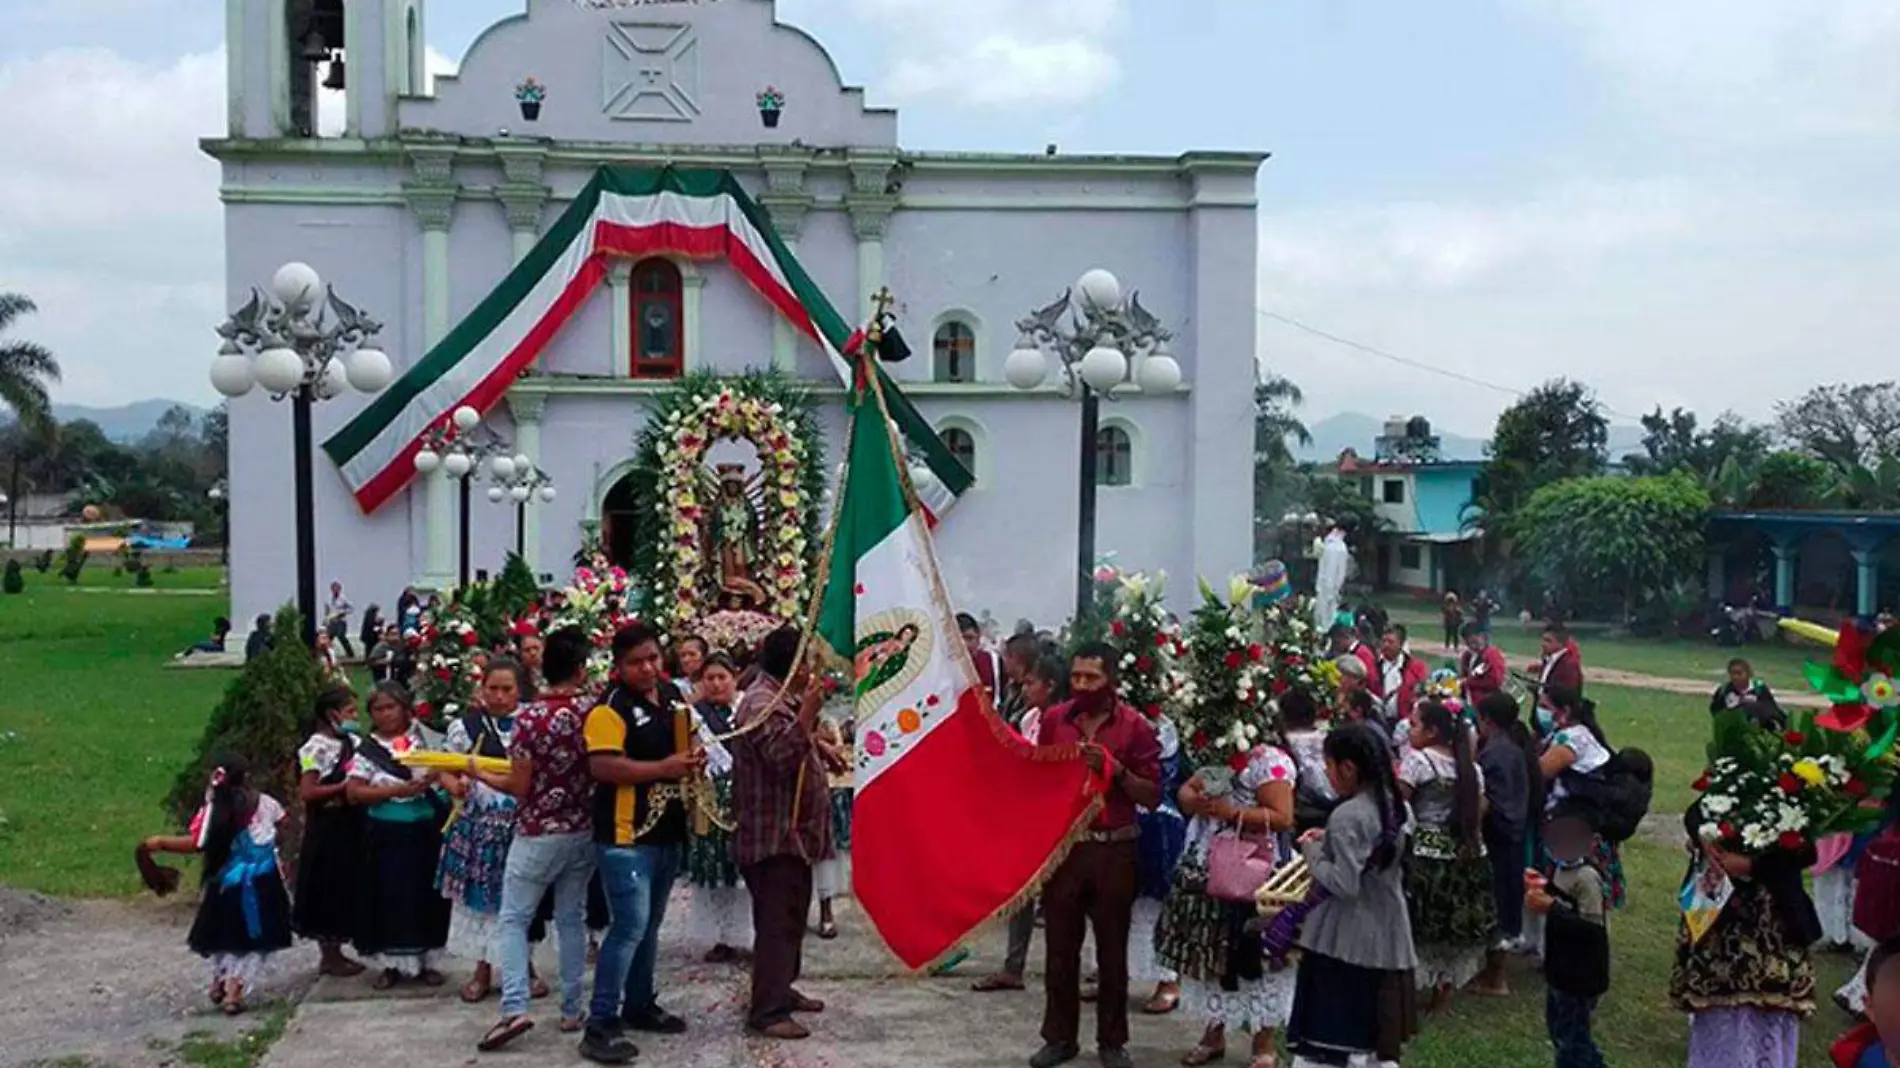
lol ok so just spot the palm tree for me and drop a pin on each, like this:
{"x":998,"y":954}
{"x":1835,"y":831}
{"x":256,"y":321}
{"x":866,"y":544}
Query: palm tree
{"x":26,"y":367}
{"x":1274,"y":399}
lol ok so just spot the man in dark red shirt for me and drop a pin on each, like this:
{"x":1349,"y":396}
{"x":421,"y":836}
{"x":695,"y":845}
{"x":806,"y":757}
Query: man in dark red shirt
{"x":1096,"y":885}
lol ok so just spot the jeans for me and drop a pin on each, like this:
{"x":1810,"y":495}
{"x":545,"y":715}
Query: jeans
{"x":637,"y":881}
{"x":1022,"y":928}
{"x":564,"y":862}
{"x":1567,"y":1018}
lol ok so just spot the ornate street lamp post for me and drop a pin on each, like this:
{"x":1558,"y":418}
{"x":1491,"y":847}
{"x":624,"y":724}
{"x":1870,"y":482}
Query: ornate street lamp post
{"x":459,"y":447}
{"x":1092,"y":353}
{"x":303,"y":342}
{"x":518,"y":480}
{"x":221,"y":504}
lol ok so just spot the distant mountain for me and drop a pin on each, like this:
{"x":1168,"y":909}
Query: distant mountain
{"x":1356,"y":430}
{"x":127,"y":422}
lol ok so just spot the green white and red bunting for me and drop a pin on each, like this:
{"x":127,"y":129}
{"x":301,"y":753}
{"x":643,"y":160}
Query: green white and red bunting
{"x":620,"y":213}
{"x":957,"y":819}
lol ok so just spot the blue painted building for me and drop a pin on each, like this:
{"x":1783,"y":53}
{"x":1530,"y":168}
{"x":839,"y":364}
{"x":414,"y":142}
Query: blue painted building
{"x":1839,"y":563}
{"x":1427,"y":546}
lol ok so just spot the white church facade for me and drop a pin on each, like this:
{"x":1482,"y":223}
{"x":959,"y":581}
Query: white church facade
{"x":434,"y":205}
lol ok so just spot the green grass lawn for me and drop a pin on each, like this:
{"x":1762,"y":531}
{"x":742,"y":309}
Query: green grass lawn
{"x":1780,"y":664}
{"x":93,"y":726}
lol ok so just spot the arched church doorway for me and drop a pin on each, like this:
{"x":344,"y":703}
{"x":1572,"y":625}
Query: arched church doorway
{"x":619,"y":521}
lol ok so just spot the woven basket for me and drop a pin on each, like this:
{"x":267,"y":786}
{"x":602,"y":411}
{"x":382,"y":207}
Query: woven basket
{"x":1289,"y":885}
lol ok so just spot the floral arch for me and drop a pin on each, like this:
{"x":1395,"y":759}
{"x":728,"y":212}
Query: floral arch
{"x":673,"y":553}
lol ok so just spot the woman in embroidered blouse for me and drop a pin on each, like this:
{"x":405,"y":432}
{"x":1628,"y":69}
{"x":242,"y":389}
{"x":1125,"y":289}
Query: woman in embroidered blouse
{"x":1223,"y":978}
{"x":244,"y":915}
{"x":332,"y":836}
{"x":475,"y":845}
{"x":1447,"y":881}
{"x":722,"y":913}
{"x":1577,"y":746}
{"x":1313,"y":795}
{"x":402,"y":922}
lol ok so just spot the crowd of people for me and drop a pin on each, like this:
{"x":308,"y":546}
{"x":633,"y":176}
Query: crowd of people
{"x":1447,"y":823}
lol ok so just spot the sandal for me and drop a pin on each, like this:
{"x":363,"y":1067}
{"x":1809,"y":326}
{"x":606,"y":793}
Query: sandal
{"x":1203,"y":1054}
{"x":474,"y":991}
{"x":389,"y":978}
{"x":232,"y":1006}
{"x":990,"y":984}
{"x":1266,"y":1060}
{"x":827,"y":930}
{"x":342,"y":969}
{"x":571,"y":1024}
{"x":431,"y":977}
{"x":1163,"y":1003}
{"x":538,"y":987}
{"x":504,"y":1032}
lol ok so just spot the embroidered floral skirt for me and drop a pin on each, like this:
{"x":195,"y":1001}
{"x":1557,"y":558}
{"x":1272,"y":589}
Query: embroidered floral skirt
{"x":1451,"y":902}
{"x":1745,"y":961}
{"x":709,"y":862}
{"x":475,"y":857}
{"x":842,"y":798}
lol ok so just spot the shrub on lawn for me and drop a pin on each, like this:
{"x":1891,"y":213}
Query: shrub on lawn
{"x":44,"y":562}
{"x":74,"y":560}
{"x":14,"y":582}
{"x":143,"y":577}
{"x":260,"y":720}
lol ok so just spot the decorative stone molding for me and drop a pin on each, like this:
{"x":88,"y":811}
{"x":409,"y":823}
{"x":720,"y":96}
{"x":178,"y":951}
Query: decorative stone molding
{"x":870,"y":215}
{"x":433,"y":205}
{"x":525,"y":406}
{"x":788,"y":211}
{"x":522,"y":164}
{"x":784,"y":168}
{"x":432,"y":164}
{"x":523,"y":205}
{"x":871,"y":173}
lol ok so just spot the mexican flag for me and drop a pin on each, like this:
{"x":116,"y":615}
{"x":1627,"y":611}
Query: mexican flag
{"x":621,"y":213}
{"x":957,"y":819}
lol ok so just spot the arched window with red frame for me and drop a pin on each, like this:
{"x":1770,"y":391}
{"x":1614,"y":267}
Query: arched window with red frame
{"x":659,"y":336}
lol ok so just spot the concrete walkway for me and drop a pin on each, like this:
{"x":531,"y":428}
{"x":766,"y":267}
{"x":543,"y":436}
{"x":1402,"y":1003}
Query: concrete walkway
{"x":875,"y":1016}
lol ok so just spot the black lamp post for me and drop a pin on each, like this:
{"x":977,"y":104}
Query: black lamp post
{"x":220,"y":503}
{"x":462,"y":447}
{"x":1093,"y":352}
{"x":303,"y":342}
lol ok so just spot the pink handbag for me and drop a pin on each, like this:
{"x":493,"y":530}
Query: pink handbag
{"x":1237,"y":867}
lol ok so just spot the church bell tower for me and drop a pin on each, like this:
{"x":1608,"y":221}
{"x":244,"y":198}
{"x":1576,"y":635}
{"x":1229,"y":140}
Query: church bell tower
{"x":313,"y":68}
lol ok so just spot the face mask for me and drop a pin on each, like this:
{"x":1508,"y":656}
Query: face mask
{"x":1094,"y":702}
{"x":349,"y":726}
{"x":1546,"y":720}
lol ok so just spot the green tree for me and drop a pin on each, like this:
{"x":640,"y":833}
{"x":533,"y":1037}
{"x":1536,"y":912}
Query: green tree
{"x":1677,"y":442}
{"x":1277,"y":479}
{"x":1610,"y":541}
{"x":262,"y":721}
{"x":1556,"y":432}
{"x":1787,"y":479}
{"x":27,"y":368}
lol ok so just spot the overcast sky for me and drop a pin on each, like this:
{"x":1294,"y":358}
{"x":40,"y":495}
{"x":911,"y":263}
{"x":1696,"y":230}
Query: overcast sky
{"x":1684,"y":203}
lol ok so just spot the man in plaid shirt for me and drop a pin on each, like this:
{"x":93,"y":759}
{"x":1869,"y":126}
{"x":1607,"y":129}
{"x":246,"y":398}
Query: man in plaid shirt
{"x":782,"y":815}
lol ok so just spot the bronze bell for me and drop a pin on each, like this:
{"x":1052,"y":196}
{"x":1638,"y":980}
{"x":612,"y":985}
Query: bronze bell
{"x":333,"y":79}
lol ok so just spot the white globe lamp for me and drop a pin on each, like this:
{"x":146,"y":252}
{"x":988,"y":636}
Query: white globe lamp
{"x":278,"y":370}
{"x":1100,"y":290}
{"x":547,"y":494}
{"x":522,"y":463}
{"x":1159,"y":373}
{"x":427,"y":460}
{"x":466,"y":418}
{"x":332,"y":382}
{"x":231,"y":374}
{"x":496,"y":493}
{"x":370,"y":370}
{"x":296,"y":285}
{"x":520,"y":494}
{"x":1027,"y":367}
{"x":1104,"y":368}
{"x":503,"y":467}
{"x":457,"y":464}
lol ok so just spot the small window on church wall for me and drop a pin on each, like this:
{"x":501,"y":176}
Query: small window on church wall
{"x":954,"y":350}
{"x":658,"y":335}
{"x":1114,"y":458}
{"x":962,"y":445}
